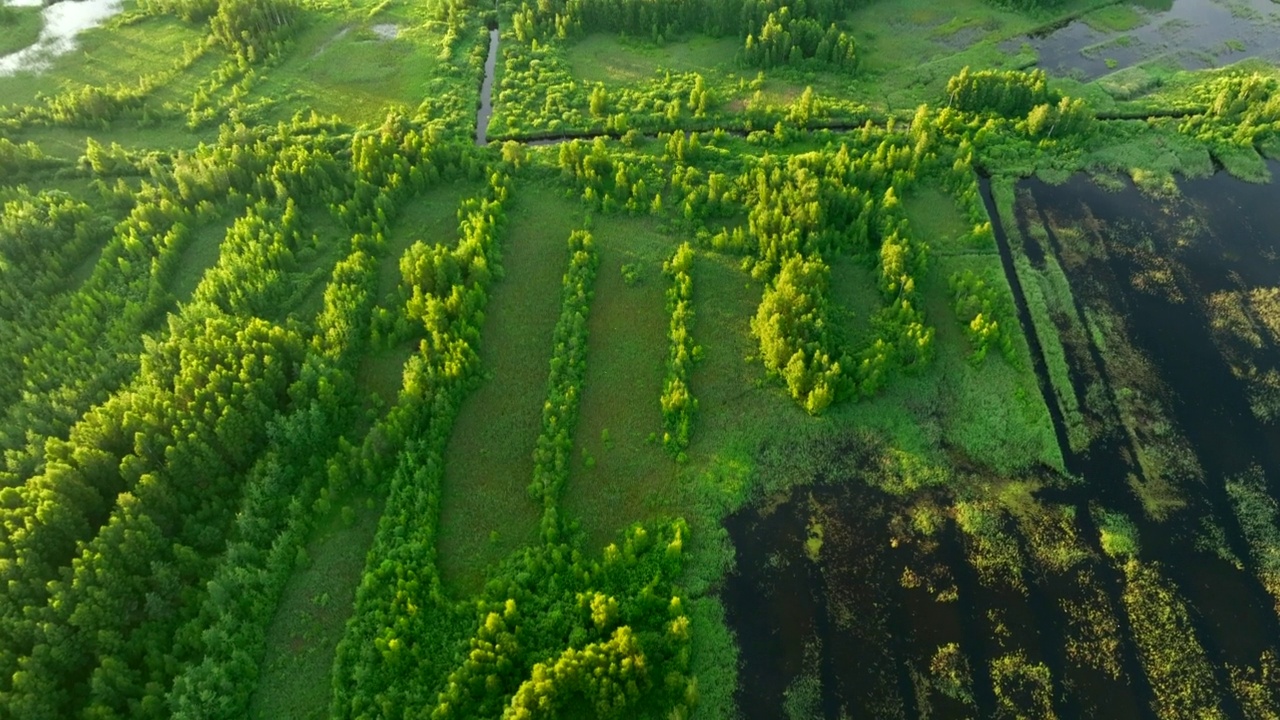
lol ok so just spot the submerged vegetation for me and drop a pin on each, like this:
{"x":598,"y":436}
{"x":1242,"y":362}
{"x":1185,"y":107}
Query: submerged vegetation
{"x":774,"y":359}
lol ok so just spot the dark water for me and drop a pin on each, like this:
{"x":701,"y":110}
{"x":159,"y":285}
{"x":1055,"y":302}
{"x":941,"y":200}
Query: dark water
{"x":1194,"y":33}
{"x":485,"y":111}
{"x":828,"y":620}
{"x":1219,"y":235}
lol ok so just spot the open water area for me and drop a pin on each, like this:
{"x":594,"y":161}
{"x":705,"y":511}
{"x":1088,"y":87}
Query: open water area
{"x":840,"y":633}
{"x":1192,"y":34}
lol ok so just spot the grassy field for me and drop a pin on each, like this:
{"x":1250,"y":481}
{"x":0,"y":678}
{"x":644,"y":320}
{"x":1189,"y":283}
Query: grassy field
{"x":737,"y":407}
{"x":935,"y":218}
{"x":108,"y":56}
{"x":485,"y":510}
{"x":618,"y":476}
{"x":19,"y":27}
{"x":909,"y":48}
{"x":200,"y":254}
{"x":993,"y":412}
{"x":294,"y":682}
{"x":854,"y":298}
{"x":382,"y":373}
{"x":357,"y":65}
{"x":609,"y":59}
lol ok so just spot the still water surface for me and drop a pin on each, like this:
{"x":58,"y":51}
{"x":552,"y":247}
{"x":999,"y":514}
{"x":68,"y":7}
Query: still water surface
{"x":1193,"y":34}
{"x":62,"y":22}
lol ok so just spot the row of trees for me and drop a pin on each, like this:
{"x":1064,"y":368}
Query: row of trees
{"x":175,"y":449}
{"x":43,"y":238}
{"x":392,"y":653}
{"x":554,"y":450}
{"x":794,"y":330}
{"x":678,"y":402}
{"x":1010,"y":93}
{"x":543,"y":634}
{"x":170,"y":518}
{"x":774,"y":32}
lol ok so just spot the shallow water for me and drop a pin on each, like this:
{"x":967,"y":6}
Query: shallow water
{"x":486,"y":90}
{"x":63,"y":21}
{"x":1216,"y":236}
{"x":874,"y":636}
{"x":1194,"y":33}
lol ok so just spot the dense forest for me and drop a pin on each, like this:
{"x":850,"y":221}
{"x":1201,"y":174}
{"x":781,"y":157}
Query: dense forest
{"x":311,"y":405}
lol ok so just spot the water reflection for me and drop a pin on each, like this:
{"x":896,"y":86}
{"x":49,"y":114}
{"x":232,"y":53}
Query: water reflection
{"x":1194,"y":34}
{"x":62,"y":22}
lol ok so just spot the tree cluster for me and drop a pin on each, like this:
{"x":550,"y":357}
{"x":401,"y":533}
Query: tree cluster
{"x":786,"y":38}
{"x":980,"y":310}
{"x":1010,"y":93}
{"x":794,"y":332}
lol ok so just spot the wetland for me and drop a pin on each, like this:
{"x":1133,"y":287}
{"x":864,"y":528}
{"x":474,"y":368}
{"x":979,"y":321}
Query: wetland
{"x":703,"y":360}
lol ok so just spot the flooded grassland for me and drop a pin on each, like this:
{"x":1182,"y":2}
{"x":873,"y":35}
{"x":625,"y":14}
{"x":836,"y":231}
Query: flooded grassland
{"x":1143,"y":584}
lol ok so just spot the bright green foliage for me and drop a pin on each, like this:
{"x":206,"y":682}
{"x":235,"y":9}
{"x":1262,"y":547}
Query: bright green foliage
{"x":678,"y":403}
{"x":604,"y":679}
{"x":1009,"y":93}
{"x":1118,"y":534}
{"x":388,"y":640}
{"x":252,"y":28}
{"x":1243,"y":112}
{"x":792,"y":326}
{"x":979,"y":310}
{"x":564,"y":385}
{"x":1070,"y":116}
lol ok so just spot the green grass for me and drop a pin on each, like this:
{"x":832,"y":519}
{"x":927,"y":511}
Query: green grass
{"x":382,"y":373}
{"x":19,"y":28}
{"x":201,"y":253}
{"x":909,"y":48}
{"x":339,"y":66}
{"x":329,"y":244}
{"x":608,"y":59}
{"x":1115,"y":18}
{"x":294,"y":681}
{"x":855,"y":298}
{"x":737,"y":412}
{"x":993,"y":412}
{"x":728,"y":386}
{"x":935,"y":219}
{"x":618,"y":476}
{"x":107,"y":56}
{"x":485,"y":511}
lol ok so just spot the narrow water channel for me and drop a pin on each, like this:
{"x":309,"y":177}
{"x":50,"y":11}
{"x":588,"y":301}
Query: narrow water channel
{"x":485,"y":110}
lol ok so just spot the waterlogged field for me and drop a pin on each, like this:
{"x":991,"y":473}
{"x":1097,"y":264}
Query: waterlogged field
{"x":798,"y":360}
